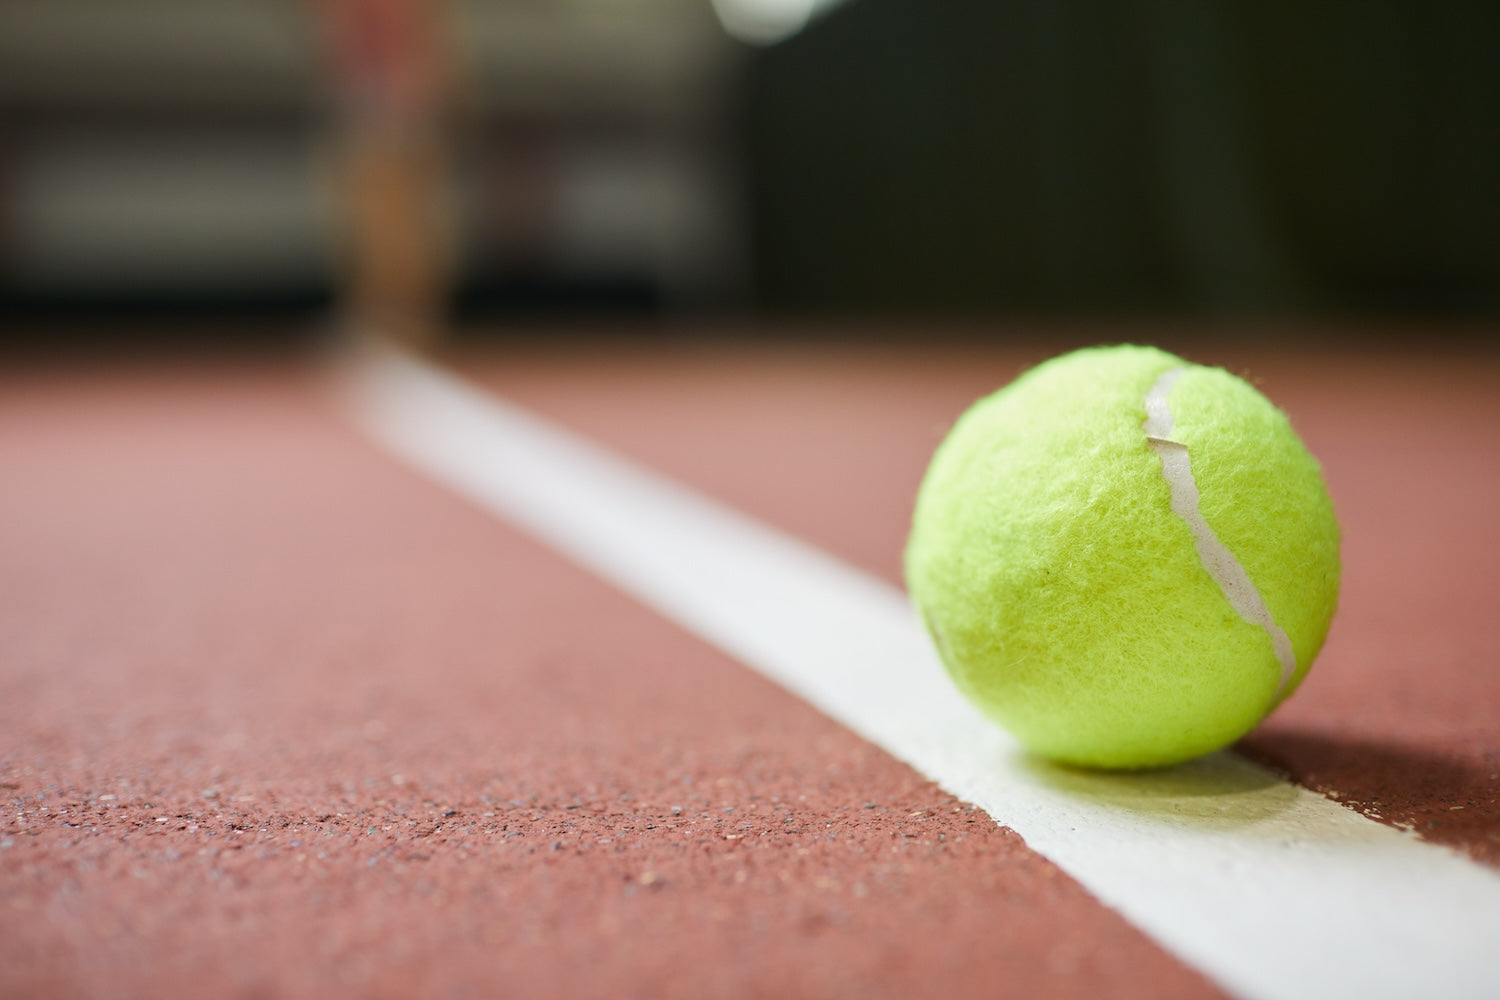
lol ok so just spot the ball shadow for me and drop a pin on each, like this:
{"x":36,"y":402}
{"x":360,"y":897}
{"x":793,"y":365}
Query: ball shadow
{"x":1220,"y":791}
{"x":1442,"y":797}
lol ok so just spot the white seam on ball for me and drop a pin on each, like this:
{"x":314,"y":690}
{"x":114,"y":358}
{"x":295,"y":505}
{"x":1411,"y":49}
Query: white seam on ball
{"x":1221,"y":564}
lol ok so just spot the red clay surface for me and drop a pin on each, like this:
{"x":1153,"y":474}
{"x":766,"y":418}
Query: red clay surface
{"x":1398,"y":719}
{"x":278,"y":718}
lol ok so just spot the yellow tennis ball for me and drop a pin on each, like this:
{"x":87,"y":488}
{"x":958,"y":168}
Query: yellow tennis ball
{"x":1125,"y":559}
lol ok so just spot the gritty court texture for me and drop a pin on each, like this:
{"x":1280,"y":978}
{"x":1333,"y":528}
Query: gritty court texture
{"x":286,"y":709}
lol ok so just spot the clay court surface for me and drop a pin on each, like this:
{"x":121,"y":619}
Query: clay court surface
{"x":280,"y":716}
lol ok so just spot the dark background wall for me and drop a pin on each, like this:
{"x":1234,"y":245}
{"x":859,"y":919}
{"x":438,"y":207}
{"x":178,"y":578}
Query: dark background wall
{"x":1230,"y":157}
{"x":897,"y":158}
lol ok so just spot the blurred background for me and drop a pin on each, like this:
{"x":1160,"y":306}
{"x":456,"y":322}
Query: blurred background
{"x":272,"y":168}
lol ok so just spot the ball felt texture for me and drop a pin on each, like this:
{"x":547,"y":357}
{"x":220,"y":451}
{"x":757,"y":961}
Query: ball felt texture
{"x":1125,"y":559}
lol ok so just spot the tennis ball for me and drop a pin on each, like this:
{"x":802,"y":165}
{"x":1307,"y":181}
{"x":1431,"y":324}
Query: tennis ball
{"x":1125,"y":559}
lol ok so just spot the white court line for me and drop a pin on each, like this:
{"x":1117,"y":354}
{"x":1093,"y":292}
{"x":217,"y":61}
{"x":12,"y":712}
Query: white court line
{"x":1268,"y":889}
